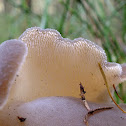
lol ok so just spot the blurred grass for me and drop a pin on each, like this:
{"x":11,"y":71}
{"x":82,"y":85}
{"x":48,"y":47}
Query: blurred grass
{"x":101,"y":21}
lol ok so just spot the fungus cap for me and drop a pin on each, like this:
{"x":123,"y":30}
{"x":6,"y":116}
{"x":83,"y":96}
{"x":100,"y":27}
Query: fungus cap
{"x":59,"y":111}
{"x":12,"y":54}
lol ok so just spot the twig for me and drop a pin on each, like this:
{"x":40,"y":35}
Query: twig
{"x":117,"y":92}
{"x":90,"y":112}
{"x":22,"y":119}
{"x":106,"y":83}
{"x":83,"y":97}
{"x":93,"y":112}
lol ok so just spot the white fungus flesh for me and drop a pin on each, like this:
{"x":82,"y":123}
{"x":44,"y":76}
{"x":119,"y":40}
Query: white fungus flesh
{"x":12,"y":54}
{"x":55,"y":66}
{"x":59,"y":111}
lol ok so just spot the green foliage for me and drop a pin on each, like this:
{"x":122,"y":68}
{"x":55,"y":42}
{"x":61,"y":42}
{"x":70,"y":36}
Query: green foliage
{"x":101,"y":21}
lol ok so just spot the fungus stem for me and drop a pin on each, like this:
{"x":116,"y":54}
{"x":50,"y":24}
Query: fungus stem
{"x":104,"y":77}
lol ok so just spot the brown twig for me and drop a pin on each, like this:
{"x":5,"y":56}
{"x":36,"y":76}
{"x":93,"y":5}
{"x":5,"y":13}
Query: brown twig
{"x":22,"y":119}
{"x":107,"y":86}
{"x":90,"y":112}
{"x":82,"y":91}
{"x":94,"y":112}
{"x":117,"y":92}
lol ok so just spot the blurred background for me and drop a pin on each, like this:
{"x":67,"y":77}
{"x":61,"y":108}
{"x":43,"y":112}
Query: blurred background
{"x":101,"y":21}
